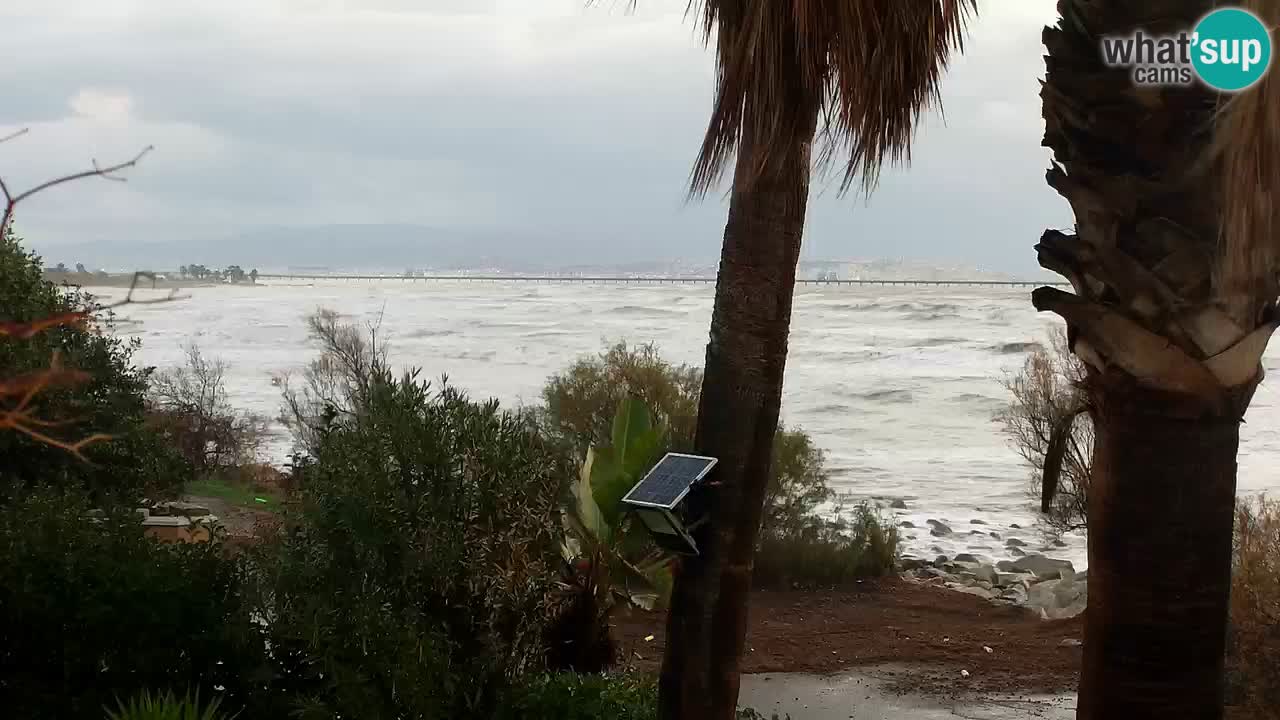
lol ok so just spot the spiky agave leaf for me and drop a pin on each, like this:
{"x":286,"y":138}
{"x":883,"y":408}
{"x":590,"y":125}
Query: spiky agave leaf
{"x":147,"y":705}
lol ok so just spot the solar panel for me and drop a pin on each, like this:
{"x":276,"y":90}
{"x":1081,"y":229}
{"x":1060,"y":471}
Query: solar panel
{"x":666,"y":484}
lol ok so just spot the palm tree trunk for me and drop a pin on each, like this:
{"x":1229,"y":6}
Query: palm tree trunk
{"x":1172,"y":366}
{"x":737,"y":419}
{"x":1161,"y":506}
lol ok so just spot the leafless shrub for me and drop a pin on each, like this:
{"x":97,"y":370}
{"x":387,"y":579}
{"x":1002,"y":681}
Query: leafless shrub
{"x":191,"y":405}
{"x":1048,"y":423}
{"x":335,"y":386}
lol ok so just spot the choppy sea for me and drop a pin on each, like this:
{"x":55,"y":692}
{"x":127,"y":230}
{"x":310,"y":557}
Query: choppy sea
{"x":898,"y":385}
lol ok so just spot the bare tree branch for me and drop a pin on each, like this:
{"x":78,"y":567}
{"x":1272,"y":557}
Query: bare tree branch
{"x":133,"y":285}
{"x":18,"y":416}
{"x":75,"y":448}
{"x":25,"y":330}
{"x":11,"y":201}
{"x":12,"y":135}
{"x":26,"y":387}
{"x":50,"y":377}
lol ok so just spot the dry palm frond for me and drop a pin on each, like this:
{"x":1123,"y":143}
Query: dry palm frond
{"x":1247,"y":148}
{"x":869,"y":66}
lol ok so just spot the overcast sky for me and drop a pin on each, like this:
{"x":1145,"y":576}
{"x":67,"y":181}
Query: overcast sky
{"x":531,"y":118}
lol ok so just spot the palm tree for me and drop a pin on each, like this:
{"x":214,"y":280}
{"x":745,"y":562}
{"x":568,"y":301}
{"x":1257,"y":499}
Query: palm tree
{"x":1173,"y":263}
{"x":853,"y":76}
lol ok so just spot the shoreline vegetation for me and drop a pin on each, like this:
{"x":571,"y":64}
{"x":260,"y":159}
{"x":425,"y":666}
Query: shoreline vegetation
{"x":159,"y":279}
{"x":440,"y":556}
{"x":377,"y":596}
{"x":568,"y":597}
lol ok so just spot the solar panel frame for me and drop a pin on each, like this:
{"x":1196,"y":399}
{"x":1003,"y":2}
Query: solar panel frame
{"x":708,"y":464}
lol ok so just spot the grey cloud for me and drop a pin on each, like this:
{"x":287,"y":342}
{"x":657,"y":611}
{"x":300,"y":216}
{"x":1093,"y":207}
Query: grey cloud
{"x":540,"y":120}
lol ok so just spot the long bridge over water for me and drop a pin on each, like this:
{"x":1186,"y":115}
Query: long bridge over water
{"x":630,"y":280}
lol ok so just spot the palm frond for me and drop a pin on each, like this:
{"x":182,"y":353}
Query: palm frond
{"x":869,"y":67}
{"x":1247,"y":148}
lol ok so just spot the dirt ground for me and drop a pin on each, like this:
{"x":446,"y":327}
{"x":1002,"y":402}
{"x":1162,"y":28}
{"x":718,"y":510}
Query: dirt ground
{"x":241,"y":523}
{"x":891,"y":622}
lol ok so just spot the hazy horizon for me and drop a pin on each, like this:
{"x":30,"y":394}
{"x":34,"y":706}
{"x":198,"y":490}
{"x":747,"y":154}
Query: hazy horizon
{"x":514,"y":129}
{"x":295,"y":250}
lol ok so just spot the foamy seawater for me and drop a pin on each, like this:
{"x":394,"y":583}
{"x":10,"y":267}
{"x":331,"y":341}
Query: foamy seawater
{"x":897,"y":384}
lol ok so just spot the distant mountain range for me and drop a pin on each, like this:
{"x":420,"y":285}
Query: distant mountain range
{"x":396,"y":248}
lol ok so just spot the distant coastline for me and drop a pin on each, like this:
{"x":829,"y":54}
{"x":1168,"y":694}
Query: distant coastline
{"x":172,"y":281}
{"x":161,"y":280}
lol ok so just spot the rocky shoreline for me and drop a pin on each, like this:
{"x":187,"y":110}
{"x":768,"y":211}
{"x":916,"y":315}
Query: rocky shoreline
{"x":1051,"y":588}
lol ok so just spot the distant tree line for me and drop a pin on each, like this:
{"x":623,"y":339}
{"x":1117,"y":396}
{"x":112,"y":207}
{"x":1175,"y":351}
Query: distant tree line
{"x":80,"y":269}
{"x":232,"y":273}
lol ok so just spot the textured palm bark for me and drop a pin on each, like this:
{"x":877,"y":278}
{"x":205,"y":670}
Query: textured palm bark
{"x":737,"y":419}
{"x":1161,"y":505}
{"x":1148,"y":320}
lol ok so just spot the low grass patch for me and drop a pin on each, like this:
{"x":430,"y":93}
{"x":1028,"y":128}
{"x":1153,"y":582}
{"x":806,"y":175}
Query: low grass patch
{"x":572,"y":696}
{"x":235,"y":493}
{"x":827,"y":554}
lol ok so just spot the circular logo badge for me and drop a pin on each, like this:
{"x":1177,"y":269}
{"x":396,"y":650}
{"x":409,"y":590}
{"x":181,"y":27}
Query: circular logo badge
{"x":1232,"y":49}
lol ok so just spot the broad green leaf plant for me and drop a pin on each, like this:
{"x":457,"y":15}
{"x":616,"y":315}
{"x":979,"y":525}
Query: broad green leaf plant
{"x":603,"y":541}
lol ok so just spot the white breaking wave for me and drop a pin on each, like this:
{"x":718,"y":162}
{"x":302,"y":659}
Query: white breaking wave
{"x":897,"y":384}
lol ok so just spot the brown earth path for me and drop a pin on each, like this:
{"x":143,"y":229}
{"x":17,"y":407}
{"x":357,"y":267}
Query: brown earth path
{"x":891,"y":622}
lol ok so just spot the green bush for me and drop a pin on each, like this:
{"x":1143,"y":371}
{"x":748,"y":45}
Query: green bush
{"x":569,"y":696}
{"x":91,"y":611}
{"x":796,"y":548}
{"x":579,"y":406}
{"x":420,"y":575}
{"x":111,"y":400}
{"x":827,"y":554}
{"x":166,"y":706}
{"x":580,"y":402}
